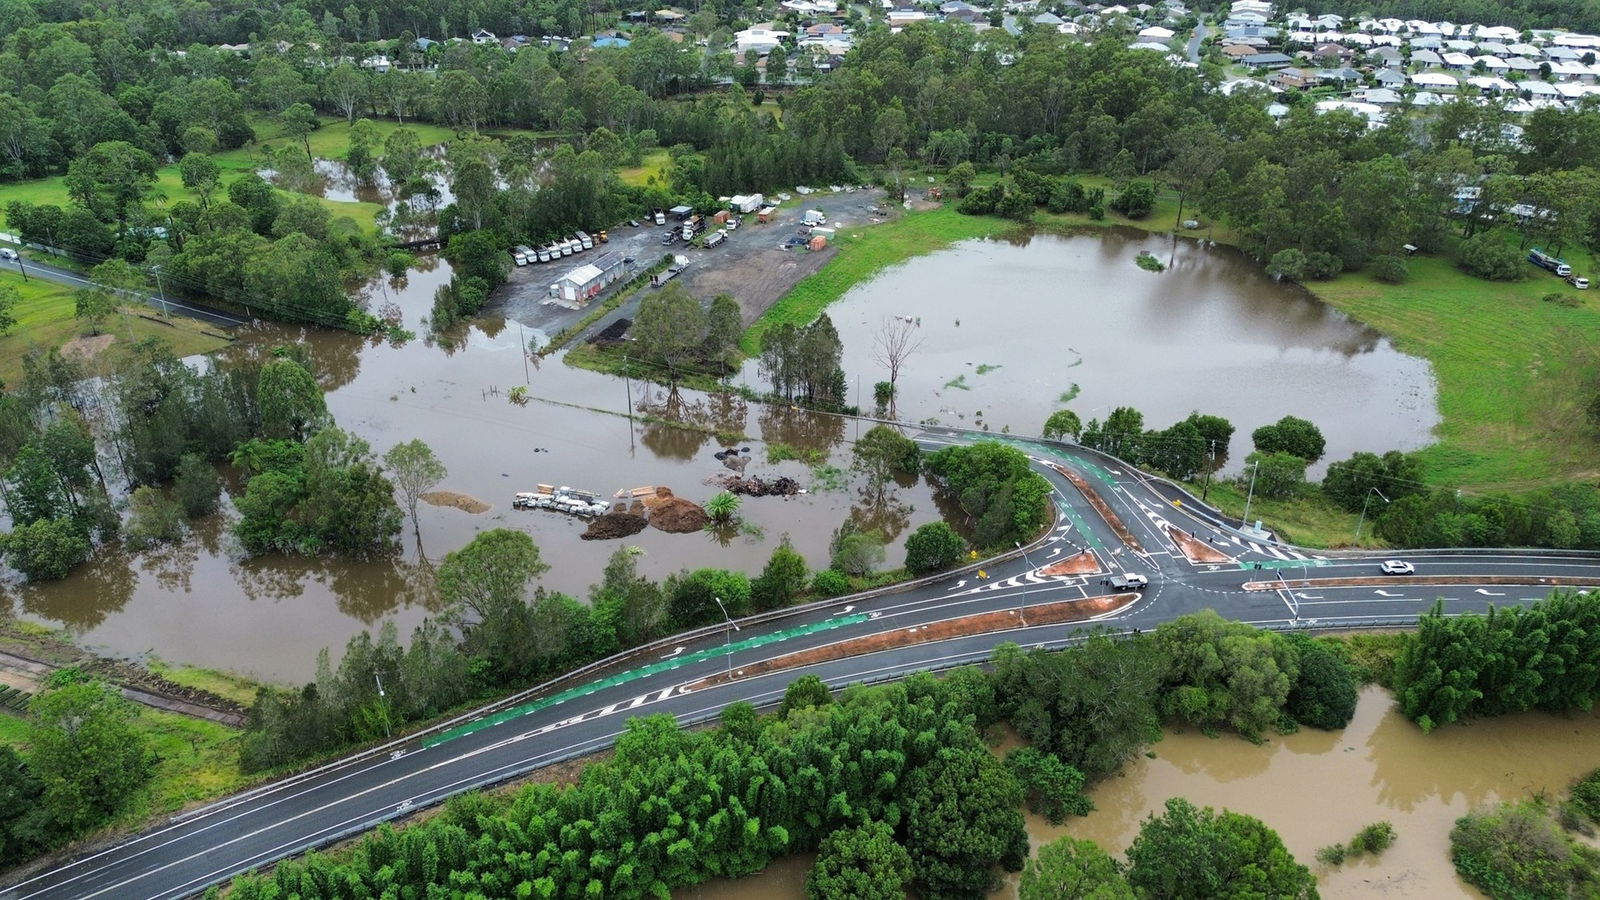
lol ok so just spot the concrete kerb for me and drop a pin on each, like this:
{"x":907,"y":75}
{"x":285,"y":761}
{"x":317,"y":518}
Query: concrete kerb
{"x":598,"y":666}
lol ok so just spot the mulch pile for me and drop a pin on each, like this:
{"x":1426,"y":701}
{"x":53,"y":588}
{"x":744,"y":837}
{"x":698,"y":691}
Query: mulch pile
{"x":755,"y":486}
{"x":676,"y":515}
{"x":612,"y":333}
{"x":614,"y":525}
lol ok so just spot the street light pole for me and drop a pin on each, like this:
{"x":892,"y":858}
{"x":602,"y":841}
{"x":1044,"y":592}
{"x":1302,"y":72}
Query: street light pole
{"x":1022,"y":613}
{"x":728,"y":640}
{"x":1254,"y":471}
{"x":386,"y":734}
{"x":1368,"y":499}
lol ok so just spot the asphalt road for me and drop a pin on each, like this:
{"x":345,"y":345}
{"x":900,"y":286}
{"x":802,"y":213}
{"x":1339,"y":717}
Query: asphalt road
{"x":354,"y":795}
{"x":36,"y":269}
{"x":1193,"y":47}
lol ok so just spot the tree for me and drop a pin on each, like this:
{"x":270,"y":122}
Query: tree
{"x":415,"y":471}
{"x":111,"y":181}
{"x":1197,"y":153}
{"x":200,"y":173}
{"x":1179,"y":451}
{"x":1277,"y":475}
{"x":1054,"y":789}
{"x":1488,"y":255}
{"x":297,"y":122}
{"x":1290,"y":435}
{"x":291,"y":403}
{"x":805,"y":692}
{"x":883,"y":453}
{"x":346,"y":87}
{"x":1324,"y":693}
{"x":693,"y":597}
{"x":402,"y":155}
{"x":895,"y":341}
{"x":1390,"y":269}
{"x":723,"y":328}
{"x":1196,"y":853}
{"x":484,"y":586}
{"x":93,"y":305}
{"x":1072,"y":869}
{"x":668,"y":328}
{"x":860,"y":863}
{"x":196,"y":486}
{"x":781,"y":580}
{"x":1350,"y":482}
{"x":154,"y":519}
{"x":1062,"y":423}
{"x":1289,"y":263}
{"x":962,"y":819}
{"x":631,"y":605}
{"x":1136,"y":200}
{"x":855,"y":552}
{"x":86,"y":752}
{"x":932,"y":547}
{"x":348,"y":505}
{"x":46,"y":549}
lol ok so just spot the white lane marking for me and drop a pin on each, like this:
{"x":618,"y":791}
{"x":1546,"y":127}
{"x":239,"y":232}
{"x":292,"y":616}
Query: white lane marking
{"x":1387,"y":594}
{"x":1489,"y":593}
{"x":675,"y":652}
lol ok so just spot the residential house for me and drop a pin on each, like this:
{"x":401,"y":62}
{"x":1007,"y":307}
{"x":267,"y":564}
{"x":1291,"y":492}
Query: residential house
{"x":1491,"y":48}
{"x":1458,"y":61}
{"x":1156,"y":34}
{"x":1267,"y":61}
{"x":761,"y":40}
{"x":1519,"y":64}
{"x":900,"y":18}
{"x":1294,"y":79}
{"x":1461,"y":46}
{"x":1390,"y":78}
{"x":1426,"y":58}
{"x":1493,"y":64}
{"x":1435,"y":80}
{"x":483,"y":37}
{"x":1327,"y":54}
{"x":1239,"y":51}
{"x":1380,"y":96}
{"x":612,"y":41}
{"x":1491,"y":84}
{"x":1387,"y":57}
{"x":1539,"y":90}
{"x":1528,"y":50}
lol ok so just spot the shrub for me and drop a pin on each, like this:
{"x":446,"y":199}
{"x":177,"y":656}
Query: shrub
{"x":1586,"y":795}
{"x":156,"y":519}
{"x":1324,"y":692}
{"x":932,"y":547}
{"x":830,"y":583}
{"x":196,"y":486}
{"x":1333,"y":854}
{"x":1560,"y":299}
{"x":1390,"y":269}
{"x":46,"y":549}
{"x":1515,"y":850}
{"x":1288,"y":263}
{"x":1291,"y":435}
{"x":1322,"y":266}
{"x":1374,"y":839}
{"x":1136,"y":200}
{"x":1487,"y":255}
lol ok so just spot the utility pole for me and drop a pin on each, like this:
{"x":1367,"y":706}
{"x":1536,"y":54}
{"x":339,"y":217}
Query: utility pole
{"x":160,"y":292}
{"x":627,"y":384}
{"x":1254,"y":471}
{"x":523,"y":337}
{"x":20,"y":268}
{"x":1206,"y":491}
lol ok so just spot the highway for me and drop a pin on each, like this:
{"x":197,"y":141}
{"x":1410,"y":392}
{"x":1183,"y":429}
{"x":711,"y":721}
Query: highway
{"x":353,"y":795}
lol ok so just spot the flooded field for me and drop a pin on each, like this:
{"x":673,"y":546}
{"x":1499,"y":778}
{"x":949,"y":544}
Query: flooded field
{"x":1316,"y":788}
{"x":202,"y":604}
{"x":1012,"y":330}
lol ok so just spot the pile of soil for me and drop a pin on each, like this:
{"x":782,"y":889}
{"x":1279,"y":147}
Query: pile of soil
{"x":612,"y":333}
{"x":614,"y":525}
{"x":676,"y":515}
{"x":755,"y":486}
{"x":463,"y":502}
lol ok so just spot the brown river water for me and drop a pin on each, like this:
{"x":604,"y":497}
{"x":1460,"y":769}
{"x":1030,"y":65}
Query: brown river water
{"x":1211,"y":334}
{"x":1316,"y":788}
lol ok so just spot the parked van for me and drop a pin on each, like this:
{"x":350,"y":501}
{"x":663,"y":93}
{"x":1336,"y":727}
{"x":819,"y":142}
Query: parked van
{"x":1578,"y":281}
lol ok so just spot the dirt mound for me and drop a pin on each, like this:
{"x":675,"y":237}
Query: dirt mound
{"x":614,"y":525}
{"x":676,"y":515}
{"x":463,"y":502}
{"x":612,"y":333}
{"x":755,"y":486}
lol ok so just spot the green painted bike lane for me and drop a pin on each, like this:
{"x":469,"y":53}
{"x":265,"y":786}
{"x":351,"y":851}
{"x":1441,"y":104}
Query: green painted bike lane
{"x":666,"y":665}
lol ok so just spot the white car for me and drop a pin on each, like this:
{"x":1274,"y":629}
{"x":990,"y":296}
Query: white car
{"x":1397,"y":567}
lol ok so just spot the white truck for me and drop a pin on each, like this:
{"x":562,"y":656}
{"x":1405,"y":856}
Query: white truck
{"x":585,"y":240}
{"x":520,"y":256}
{"x":1129,"y":582}
{"x":814,"y":217}
{"x":715,"y":238}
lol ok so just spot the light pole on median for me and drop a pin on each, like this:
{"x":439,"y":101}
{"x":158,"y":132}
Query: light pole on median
{"x":1368,"y":499}
{"x":386,"y":734}
{"x":1022,"y":612}
{"x":1254,"y":471}
{"x":728,"y":641}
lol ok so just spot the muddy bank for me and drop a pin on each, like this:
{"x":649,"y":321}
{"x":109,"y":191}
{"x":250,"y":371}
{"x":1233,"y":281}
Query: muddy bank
{"x":455,"y":500}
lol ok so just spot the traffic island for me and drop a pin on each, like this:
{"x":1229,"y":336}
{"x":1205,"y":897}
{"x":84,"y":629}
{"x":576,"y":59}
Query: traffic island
{"x":1101,"y":507}
{"x":1083,"y":563}
{"x":1382,"y":581}
{"x":1057,"y":613}
{"x":1194,"y":549}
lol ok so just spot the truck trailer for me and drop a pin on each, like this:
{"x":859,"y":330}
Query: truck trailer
{"x":1545,"y":261}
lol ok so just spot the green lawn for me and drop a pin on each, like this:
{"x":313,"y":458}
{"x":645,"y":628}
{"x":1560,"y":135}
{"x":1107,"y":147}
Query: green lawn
{"x":1311,"y":521}
{"x":1514,"y":372}
{"x":654,"y":164}
{"x":45,"y":318}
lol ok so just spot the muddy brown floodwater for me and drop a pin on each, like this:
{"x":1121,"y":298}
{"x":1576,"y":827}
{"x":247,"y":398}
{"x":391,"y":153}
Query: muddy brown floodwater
{"x":1316,"y":788}
{"x":202,"y":604}
{"x":1010,"y":327}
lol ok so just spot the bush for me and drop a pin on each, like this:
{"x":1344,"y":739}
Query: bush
{"x":1322,"y":266}
{"x":47,"y":549}
{"x":830,"y":583}
{"x":1390,"y":269}
{"x":1487,"y":255}
{"x":1291,"y":435}
{"x":196,"y":486}
{"x":1136,"y":200}
{"x":1277,"y":475}
{"x":1586,"y":795}
{"x":1289,"y":263}
{"x":1515,"y":850}
{"x":932,"y":547}
{"x":156,"y":519}
{"x":1333,"y":854}
{"x":1374,"y":839}
{"x":1560,"y":299}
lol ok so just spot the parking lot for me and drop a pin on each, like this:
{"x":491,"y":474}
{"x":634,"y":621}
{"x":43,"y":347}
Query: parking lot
{"x":756,"y":264}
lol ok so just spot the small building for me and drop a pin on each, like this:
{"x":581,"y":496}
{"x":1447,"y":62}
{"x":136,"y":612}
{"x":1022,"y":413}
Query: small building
{"x":766,"y":214}
{"x":483,"y":37}
{"x":587,"y":281}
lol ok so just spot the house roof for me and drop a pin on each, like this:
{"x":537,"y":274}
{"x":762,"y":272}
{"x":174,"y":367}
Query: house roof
{"x":1434,"y":79}
{"x":1267,"y":59}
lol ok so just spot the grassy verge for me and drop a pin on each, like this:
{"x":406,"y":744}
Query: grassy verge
{"x":45,"y":318}
{"x":1309,"y":521}
{"x":614,"y":360}
{"x":227,"y":685}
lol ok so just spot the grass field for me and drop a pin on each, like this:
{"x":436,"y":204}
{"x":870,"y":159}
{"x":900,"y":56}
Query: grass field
{"x":224,"y":684}
{"x":1309,"y":521}
{"x":45,"y":319}
{"x":1514,"y":372}
{"x":331,"y":141}
{"x":653,"y":164}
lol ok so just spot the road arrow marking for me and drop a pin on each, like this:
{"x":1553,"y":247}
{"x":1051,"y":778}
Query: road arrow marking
{"x":960,"y":584}
{"x":1489,"y":593}
{"x":673,"y":653}
{"x":1387,"y":594}
{"x":848,"y":608}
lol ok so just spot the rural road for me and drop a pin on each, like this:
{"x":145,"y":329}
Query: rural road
{"x":1195,"y":41}
{"x":353,"y":795}
{"x":36,"y":269}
